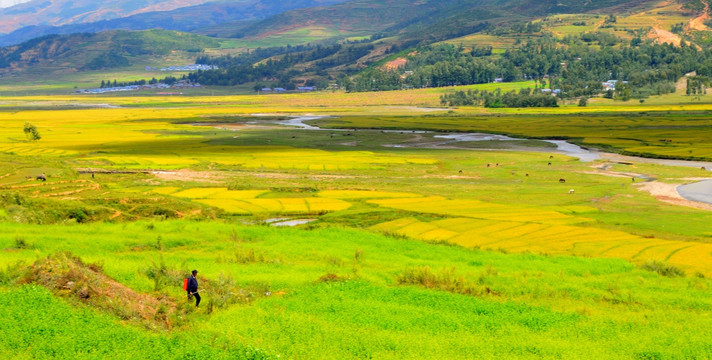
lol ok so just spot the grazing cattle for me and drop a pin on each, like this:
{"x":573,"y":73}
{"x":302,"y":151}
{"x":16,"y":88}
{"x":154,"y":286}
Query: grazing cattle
{"x":633,"y":179}
{"x":551,"y":156}
{"x":460,"y":171}
{"x":562,"y":181}
{"x":571,"y":191}
{"x":549,"y":164}
{"x":488,"y":165}
{"x":703,"y":168}
{"x":497,"y":164}
{"x":294,"y":137}
{"x":527,"y":175}
{"x":511,"y":172}
{"x":41,"y":177}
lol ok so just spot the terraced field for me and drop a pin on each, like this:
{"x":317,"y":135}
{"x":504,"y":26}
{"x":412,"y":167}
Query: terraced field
{"x":556,"y":239}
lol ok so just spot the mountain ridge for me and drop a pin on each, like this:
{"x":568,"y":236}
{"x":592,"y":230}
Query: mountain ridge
{"x":188,"y":19}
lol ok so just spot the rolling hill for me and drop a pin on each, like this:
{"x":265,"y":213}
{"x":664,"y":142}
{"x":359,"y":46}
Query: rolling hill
{"x":318,"y":45}
{"x":189,"y":18}
{"x":366,"y":17}
{"x":101,"y":51}
{"x":62,"y":12}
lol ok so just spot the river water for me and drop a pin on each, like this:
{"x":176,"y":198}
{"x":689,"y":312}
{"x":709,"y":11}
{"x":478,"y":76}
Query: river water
{"x":700,"y":191}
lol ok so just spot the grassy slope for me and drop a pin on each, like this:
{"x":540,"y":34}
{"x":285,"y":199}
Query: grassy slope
{"x":57,"y":56}
{"x":546,"y":307}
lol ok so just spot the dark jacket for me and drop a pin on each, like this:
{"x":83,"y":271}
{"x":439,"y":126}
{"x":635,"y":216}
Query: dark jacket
{"x":192,"y":284}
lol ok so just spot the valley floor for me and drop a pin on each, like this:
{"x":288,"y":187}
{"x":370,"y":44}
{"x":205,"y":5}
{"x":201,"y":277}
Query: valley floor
{"x":413,"y":238}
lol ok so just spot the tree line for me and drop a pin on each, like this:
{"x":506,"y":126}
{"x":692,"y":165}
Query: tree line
{"x":498,"y":99}
{"x":571,"y":65}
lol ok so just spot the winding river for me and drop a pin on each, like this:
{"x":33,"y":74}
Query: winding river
{"x":699,"y":191}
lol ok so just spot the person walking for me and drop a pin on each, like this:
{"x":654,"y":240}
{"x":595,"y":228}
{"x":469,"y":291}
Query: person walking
{"x":193,"y":287}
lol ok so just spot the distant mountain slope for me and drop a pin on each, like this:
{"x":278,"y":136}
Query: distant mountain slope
{"x":104,"y":50}
{"x":63,"y":12}
{"x":182,"y":19}
{"x":393,"y":16}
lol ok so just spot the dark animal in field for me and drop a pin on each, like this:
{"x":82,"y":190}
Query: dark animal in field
{"x":41,"y":177}
{"x":488,"y":165}
{"x":460,"y":171}
{"x":527,"y":175}
{"x":551,"y":156}
{"x":703,"y":168}
{"x":633,"y":179}
{"x":549,"y":164}
{"x":562,"y":180}
{"x":294,"y":137}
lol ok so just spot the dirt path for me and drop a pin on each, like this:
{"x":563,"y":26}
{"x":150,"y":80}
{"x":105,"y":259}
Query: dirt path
{"x":698,"y":23}
{"x":598,"y":25}
{"x":189,"y":175}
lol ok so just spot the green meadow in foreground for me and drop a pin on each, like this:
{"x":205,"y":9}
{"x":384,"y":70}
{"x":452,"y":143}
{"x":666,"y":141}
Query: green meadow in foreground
{"x":341,"y":293}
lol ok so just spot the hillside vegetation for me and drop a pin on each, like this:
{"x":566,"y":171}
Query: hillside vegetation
{"x":104,"y":50}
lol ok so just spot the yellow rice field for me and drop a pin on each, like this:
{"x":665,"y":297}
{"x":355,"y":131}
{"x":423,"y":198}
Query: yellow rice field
{"x":477,"y":209}
{"x":516,"y":236}
{"x":246,"y":202}
{"x":365,"y":194}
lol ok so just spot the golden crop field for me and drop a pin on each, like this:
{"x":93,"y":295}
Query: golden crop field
{"x":520,"y":235}
{"x":477,"y":209}
{"x":365,"y":194}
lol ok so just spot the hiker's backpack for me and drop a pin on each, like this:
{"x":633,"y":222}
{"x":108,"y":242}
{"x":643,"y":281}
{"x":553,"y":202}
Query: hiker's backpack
{"x":185,"y":284}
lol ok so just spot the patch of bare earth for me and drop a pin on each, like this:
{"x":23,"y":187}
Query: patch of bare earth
{"x":661,"y":36}
{"x":395,"y":64}
{"x":189,"y":175}
{"x":698,"y":23}
{"x":668,"y":193}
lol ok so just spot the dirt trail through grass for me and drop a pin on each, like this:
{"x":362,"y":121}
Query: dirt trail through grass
{"x":698,"y":23}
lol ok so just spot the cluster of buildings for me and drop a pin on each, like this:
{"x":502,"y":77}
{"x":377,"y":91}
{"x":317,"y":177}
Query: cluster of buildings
{"x":178,"y":85}
{"x":611,"y":85}
{"x":551,"y":91}
{"x":193,"y":67}
{"x":279,"y":90}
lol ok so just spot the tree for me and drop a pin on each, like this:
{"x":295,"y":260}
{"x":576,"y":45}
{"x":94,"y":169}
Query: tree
{"x":31,"y":132}
{"x":583,"y":101}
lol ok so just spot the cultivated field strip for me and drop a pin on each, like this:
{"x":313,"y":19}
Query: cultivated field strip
{"x":246,"y":202}
{"x":477,"y":209}
{"x":516,"y":236}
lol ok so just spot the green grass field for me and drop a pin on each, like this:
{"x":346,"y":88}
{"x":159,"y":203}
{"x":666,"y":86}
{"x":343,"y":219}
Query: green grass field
{"x":415,"y":248}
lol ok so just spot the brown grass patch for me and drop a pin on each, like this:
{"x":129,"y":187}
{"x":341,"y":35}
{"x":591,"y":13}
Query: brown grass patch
{"x":67,"y":276}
